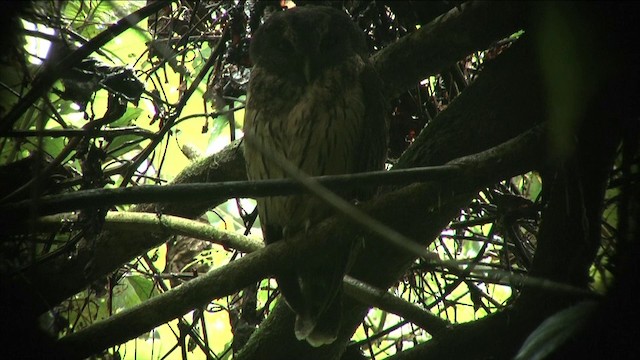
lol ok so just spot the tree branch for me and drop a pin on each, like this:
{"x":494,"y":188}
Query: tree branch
{"x":424,"y":221}
{"x":470,"y":27}
{"x":381,"y":299}
{"x":505,"y":100}
{"x":479,"y":120}
{"x":196,"y":293}
{"x":230,"y":278}
{"x":125,"y":222}
{"x":180,"y":193}
{"x":42,"y":84}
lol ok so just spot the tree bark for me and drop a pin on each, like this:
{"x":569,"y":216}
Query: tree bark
{"x":504,"y":101}
{"x":48,"y":283}
{"x":509,"y":97}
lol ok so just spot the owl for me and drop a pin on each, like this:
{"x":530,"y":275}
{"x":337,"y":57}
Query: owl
{"x":315,"y":99}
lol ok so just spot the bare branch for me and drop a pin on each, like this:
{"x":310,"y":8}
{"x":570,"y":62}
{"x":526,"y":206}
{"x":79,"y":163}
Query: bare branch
{"x":234,"y":276}
{"x":472,"y":26}
{"x":42,"y":84}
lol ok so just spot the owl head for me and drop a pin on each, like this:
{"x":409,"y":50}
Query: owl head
{"x":302,"y":42}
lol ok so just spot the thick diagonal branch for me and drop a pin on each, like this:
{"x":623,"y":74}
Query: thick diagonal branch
{"x":482,"y":169}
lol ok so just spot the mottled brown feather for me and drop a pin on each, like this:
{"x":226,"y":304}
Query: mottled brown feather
{"x":313,"y":98}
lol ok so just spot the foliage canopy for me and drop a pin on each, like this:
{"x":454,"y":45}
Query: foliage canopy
{"x":127,"y":228}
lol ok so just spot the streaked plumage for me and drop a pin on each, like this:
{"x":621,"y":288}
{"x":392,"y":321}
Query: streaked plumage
{"x":313,"y":98}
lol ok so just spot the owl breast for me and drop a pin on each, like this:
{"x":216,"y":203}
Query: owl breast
{"x":316,"y":126}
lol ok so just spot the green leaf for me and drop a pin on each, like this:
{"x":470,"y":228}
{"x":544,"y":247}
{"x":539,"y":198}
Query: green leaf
{"x":129,"y":117}
{"x":220,"y":123}
{"x":555,"y":331}
{"x":142,"y":286}
{"x":133,"y":290}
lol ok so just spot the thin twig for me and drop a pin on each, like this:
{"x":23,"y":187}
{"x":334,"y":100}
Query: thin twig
{"x":53,"y":204}
{"x":42,"y":84}
{"x":90,"y":133}
{"x":342,"y":206}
